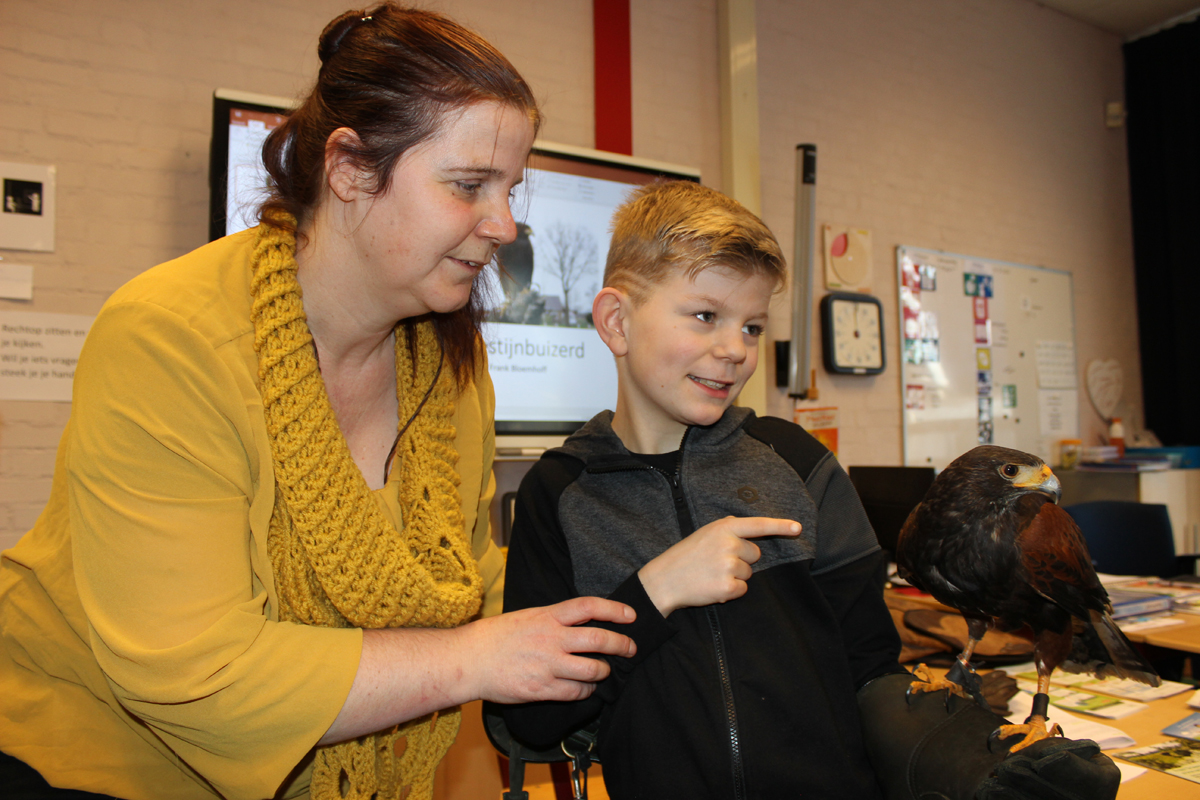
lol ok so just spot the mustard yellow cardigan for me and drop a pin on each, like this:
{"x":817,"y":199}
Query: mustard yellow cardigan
{"x":141,"y":653}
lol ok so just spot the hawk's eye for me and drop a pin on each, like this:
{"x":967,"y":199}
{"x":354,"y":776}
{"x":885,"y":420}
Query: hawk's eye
{"x":1010,"y":470}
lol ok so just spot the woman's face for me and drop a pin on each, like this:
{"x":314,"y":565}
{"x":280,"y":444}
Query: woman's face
{"x":423,"y":241}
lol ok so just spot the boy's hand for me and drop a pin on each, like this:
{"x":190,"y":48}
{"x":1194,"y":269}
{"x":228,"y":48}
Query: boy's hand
{"x":710,"y":566}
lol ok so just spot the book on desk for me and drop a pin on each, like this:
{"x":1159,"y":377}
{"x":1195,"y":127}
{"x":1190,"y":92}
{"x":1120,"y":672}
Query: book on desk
{"x":1136,"y":604}
{"x":1184,"y":595}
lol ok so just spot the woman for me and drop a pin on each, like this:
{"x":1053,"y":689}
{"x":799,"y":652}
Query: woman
{"x":245,"y":579}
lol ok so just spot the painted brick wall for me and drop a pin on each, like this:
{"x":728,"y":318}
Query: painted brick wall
{"x":117,"y":95}
{"x":966,"y":125}
{"x":971,"y":126}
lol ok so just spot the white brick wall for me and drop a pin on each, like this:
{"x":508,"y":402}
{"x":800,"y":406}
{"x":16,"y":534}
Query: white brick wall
{"x":973,"y":126}
{"x":967,"y":125}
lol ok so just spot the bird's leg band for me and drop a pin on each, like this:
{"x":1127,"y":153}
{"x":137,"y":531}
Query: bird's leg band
{"x":1041,"y":707}
{"x":962,"y":674}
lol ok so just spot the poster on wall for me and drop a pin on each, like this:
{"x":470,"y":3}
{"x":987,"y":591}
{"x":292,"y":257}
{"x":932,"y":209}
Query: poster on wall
{"x":38,"y":354}
{"x":822,"y":423}
{"x":27,"y":216}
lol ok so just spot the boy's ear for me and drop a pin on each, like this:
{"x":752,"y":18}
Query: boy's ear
{"x":344,"y":177}
{"x":608,"y":314}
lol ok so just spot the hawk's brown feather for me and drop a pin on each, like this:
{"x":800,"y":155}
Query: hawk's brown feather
{"x":990,"y":540}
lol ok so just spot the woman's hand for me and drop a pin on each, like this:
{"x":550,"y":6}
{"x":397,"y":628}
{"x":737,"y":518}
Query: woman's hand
{"x":531,"y":654}
{"x":405,"y":673}
{"x":711,"y":565}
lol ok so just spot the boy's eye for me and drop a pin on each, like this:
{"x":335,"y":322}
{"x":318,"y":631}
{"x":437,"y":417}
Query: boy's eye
{"x":706,"y":316}
{"x":754,"y":329}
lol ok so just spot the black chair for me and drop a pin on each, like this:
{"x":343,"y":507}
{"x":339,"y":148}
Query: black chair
{"x":577,"y":750}
{"x":888,"y":495}
{"x":1130,"y":538}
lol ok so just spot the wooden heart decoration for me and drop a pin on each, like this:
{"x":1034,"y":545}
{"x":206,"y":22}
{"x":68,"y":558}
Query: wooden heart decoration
{"x":1105,"y":383}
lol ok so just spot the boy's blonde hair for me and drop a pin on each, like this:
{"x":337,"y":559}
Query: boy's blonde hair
{"x":668,"y":225}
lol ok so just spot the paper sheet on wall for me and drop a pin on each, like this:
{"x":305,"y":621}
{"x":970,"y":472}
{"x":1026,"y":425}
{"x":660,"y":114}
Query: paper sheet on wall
{"x":38,"y":353}
{"x":1056,"y":365}
{"x":1058,"y":412}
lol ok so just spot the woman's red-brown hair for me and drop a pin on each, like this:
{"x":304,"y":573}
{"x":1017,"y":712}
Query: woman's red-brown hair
{"x":391,"y":74}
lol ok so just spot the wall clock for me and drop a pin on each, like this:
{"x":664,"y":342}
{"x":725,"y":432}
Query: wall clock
{"x":852,"y":333}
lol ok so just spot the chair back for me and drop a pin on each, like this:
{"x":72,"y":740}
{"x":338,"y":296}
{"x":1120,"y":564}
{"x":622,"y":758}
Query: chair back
{"x":1126,"y":537}
{"x":888,"y":495}
{"x":577,"y":748}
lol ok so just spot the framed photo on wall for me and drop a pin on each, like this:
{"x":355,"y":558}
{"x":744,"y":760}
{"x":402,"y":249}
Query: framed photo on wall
{"x":27,"y":214}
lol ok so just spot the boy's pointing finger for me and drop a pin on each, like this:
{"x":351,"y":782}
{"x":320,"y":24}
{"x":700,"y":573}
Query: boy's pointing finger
{"x":755,"y":527}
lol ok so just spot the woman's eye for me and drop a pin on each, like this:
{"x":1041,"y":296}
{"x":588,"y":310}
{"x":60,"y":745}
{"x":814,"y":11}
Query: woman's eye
{"x":470,"y":187}
{"x":753,"y":330}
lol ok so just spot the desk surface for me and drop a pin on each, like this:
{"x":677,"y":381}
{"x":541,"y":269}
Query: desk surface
{"x":1184,"y":636}
{"x":1145,"y":727}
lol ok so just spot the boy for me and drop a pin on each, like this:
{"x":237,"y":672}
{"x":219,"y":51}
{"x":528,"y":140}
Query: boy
{"x":738,"y":540}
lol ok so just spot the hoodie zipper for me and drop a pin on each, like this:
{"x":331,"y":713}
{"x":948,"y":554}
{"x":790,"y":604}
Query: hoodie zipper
{"x":687,"y":527}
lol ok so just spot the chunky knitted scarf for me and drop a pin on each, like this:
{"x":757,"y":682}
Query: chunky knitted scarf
{"x":337,"y":560}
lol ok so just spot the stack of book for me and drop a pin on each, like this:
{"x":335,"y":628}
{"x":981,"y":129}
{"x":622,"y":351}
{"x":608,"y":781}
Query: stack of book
{"x":1145,"y":596}
{"x":1128,"y":464}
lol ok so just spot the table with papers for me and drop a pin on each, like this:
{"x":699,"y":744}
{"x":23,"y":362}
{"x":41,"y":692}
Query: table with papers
{"x":1143,"y":726}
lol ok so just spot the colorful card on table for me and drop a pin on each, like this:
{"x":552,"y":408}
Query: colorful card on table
{"x":1097,"y":705}
{"x":1117,"y":687}
{"x":1186,"y":728}
{"x":1178,"y":757}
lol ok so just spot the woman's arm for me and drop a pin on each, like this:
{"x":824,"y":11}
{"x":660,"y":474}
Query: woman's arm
{"x":517,"y":657}
{"x":169,"y":496}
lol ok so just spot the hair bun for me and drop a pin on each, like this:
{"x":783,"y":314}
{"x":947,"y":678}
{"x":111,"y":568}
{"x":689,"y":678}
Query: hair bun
{"x":335,"y":32}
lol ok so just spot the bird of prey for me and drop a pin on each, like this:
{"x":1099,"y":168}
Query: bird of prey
{"x":516,"y":262}
{"x":990,"y":540}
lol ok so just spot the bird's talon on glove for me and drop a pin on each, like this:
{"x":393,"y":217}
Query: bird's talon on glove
{"x":1034,"y":730}
{"x":925,"y":682}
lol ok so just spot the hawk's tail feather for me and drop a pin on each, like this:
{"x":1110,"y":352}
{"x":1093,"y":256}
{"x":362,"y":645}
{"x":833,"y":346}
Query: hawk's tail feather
{"x":1101,"y":648}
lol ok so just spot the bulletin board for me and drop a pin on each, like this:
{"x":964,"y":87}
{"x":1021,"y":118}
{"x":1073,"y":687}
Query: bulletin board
{"x":987,"y":356}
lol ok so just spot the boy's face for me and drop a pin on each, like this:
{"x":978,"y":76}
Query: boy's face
{"x":691,"y":346}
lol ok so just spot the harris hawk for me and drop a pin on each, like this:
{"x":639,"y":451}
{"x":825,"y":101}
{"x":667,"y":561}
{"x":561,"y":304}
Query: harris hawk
{"x":990,"y":540}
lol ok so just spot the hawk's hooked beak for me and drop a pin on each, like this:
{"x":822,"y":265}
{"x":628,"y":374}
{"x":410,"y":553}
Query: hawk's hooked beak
{"x":1042,"y":481}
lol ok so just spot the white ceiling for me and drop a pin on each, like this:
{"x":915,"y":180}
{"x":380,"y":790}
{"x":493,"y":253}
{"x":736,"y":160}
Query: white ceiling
{"x":1127,"y":18}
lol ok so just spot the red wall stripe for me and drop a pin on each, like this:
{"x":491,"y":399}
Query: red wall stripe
{"x":613,"y":96}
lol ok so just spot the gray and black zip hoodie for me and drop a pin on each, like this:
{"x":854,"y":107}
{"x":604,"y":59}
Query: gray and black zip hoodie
{"x":753,"y":698}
